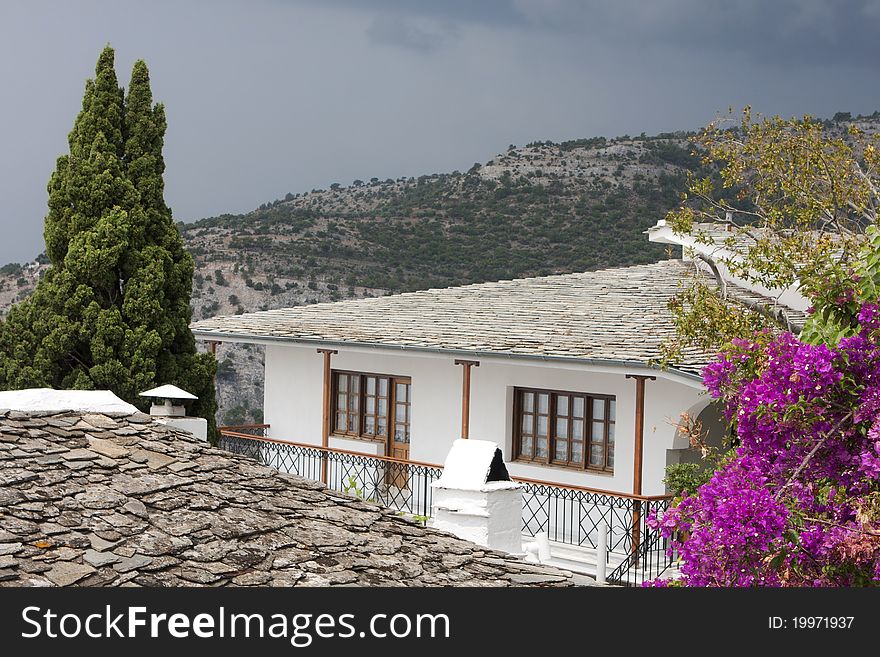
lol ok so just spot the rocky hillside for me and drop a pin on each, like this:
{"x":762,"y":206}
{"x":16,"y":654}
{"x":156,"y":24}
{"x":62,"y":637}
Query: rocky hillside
{"x":538,"y":209}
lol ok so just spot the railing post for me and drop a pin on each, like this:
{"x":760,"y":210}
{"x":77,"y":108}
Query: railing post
{"x":638,"y":450}
{"x":601,"y":553}
{"x":636,"y":527}
{"x":325,"y":419}
{"x":466,"y":394}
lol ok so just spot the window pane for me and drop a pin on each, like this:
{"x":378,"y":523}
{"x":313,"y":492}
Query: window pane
{"x":528,"y":402}
{"x":561,"y":428}
{"x":598,"y":409}
{"x":577,"y":429}
{"x":528,"y":424}
{"x":383,"y":407}
{"x":610,"y":456}
{"x":340,"y":422}
{"x":354,"y":384}
{"x":596,"y":455}
{"x":562,"y":405}
{"x":341,"y":401}
{"x":369,"y":425}
{"x":371,"y":385}
{"x":371,"y":404}
{"x":353,"y":403}
{"x":401,"y":433}
{"x":542,"y":425}
{"x":383,"y":387}
{"x":401,"y":392}
{"x":353,"y":423}
{"x":577,"y":452}
{"x":612,"y":413}
{"x":598,"y":432}
{"x":526,"y":446}
{"x":400,"y":413}
{"x":343,"y":382}
{"x":382,"y":427}
{"x":577,"y":407}
{"x":611,"y":433}
{"x":561,"y":450}
{"x":543,"y":403}
{"x":541,"y":448}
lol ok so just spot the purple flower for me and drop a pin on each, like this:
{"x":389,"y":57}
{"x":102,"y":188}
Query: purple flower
{"x":786,"y":510}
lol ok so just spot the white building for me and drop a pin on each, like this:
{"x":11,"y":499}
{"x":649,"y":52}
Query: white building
{"x":560,"y":371}
{"x":549,"y":367}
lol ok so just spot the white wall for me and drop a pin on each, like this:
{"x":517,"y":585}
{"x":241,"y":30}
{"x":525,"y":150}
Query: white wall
{"x":293,"y":400}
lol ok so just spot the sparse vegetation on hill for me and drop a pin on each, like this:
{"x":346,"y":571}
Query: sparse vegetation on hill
{"x":535,"y":210}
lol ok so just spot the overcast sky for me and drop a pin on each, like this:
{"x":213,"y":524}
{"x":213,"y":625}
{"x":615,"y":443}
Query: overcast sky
{"x":264,"y":97}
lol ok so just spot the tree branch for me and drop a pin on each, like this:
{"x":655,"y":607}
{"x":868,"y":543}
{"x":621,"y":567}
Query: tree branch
{"x":722,"y":284}
{"x":806,"y":460}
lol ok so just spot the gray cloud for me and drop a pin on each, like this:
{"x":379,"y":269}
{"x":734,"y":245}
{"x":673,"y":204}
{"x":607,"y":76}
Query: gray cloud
{"x":270,"y":96}
{"x":420,"y":35}
{"x":814,"y":31}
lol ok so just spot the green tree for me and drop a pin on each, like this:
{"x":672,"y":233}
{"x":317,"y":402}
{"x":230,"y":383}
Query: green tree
{"x":113,"y":310}
{"x":796,"y":202}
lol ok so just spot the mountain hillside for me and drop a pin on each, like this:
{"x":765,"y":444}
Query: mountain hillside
{"x":538,"y":209}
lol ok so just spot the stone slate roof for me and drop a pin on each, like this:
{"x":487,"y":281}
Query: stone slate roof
{"x":612,"y":316}
{"x":100,"y":500}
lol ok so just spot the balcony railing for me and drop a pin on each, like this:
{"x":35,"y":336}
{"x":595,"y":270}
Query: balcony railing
{"x":568,"y":514}
{"x":393,"y":483}
{"x":573,"y":514}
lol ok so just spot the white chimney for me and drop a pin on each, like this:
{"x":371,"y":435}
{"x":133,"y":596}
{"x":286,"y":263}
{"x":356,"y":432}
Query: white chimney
{"x":475,"y":498}
{"x":174,"y":415}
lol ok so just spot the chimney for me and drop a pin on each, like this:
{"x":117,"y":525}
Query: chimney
{"x":174,"y":414}
{"x":475,"y":498}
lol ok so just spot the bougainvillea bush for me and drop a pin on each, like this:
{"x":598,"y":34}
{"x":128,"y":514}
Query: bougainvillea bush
{"x":799,"y":504}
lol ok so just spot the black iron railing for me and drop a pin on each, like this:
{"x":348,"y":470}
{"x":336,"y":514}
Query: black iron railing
{"x":568,"y":514}
{"x":573,"y":515}
{"x":648,"y":562}
{"x":393,"y":483}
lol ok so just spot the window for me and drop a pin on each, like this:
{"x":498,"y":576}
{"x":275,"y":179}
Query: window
{"x":564,"y":428}
{"x":362,"y":403}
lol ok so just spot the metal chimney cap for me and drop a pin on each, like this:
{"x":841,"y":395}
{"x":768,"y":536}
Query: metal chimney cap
{"x":168,"y":391}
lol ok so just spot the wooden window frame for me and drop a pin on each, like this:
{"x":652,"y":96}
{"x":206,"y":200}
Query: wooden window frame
{"x":394,"y":402}
{"x":552,"y":415}
{"x":391,"y":379}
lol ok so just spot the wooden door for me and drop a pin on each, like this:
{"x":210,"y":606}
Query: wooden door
{"x":399,"y":433}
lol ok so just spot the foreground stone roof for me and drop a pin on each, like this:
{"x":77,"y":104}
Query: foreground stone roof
{"x":101,"y":500}
{"x":613,"y":316}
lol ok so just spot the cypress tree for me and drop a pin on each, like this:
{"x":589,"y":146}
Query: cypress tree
{"x":112,"y":311}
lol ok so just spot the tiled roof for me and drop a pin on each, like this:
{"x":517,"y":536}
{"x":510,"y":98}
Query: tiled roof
{"x":614,"y":315}
{"x":100,"y":500}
